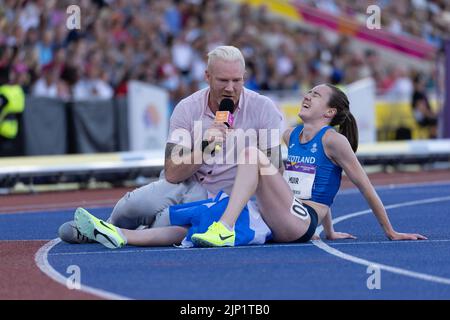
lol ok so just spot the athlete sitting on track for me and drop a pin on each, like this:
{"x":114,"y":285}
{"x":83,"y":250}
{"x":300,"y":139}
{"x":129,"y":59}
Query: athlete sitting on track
{"x":317,"y":154}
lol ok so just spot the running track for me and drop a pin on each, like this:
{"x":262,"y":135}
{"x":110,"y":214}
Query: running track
{"x":319,"y":270}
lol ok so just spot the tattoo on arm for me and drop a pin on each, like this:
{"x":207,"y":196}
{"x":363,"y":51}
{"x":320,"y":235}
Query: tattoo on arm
{"x":169,"y":148}
{"x":172,"y":148}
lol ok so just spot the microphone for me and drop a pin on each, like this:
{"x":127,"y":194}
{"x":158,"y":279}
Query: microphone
{"x":225,"y":115}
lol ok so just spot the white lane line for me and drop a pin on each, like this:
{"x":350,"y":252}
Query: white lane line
{"x":41,"y":260}
{"x":423,"y":276}
{"x":178,"y":250}
{"x":354,"y":190}
{"x":334,"y":244}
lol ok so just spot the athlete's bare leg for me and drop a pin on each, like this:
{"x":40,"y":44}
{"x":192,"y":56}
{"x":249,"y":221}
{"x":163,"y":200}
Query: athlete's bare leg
{"x":273,"y":194}
{"x":164,"y":236}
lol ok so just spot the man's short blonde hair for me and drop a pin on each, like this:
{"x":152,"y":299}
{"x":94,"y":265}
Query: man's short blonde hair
{"x":227,"y":53}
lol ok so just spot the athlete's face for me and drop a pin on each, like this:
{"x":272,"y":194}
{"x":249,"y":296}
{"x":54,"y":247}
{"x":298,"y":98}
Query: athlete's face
{"x":315,"y":104}
{"x":226,"y":80}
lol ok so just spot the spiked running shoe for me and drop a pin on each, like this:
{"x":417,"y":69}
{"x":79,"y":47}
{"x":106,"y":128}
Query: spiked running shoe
{"x":217,"y":236}
{"x":68,"y":232}
{"x":98,"y":230}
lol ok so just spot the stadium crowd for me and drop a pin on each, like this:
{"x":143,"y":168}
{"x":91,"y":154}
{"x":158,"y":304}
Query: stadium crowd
{"x":164,"y":43}
{"x":428,"y":20}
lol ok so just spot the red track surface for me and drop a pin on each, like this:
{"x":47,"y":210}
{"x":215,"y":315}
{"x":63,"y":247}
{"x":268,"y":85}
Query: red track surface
{"x":20,"y":278}
{"x":60,"y":200}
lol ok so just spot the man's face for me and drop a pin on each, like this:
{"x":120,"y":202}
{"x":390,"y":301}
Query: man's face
{"x":226,"y":80}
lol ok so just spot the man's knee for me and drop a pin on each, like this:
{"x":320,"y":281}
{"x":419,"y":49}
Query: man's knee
{"x":124,"y":213}
{"x":162,"y":219}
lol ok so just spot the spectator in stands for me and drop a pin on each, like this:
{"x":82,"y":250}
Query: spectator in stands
{"x":92,"y":86}
{"x":189,"y":180}
{"x":420,"y":104}
{"x":132,"y":36}
{"x":47,"y":85}
{"x":45,"y":48}
{"x":68,"y":79}
{"x":402,"y":87}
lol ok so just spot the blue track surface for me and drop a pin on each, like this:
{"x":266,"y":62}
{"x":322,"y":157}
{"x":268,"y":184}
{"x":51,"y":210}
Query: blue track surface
{"x":300,"y":271}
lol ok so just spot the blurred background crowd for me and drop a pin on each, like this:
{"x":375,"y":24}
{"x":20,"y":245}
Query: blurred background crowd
{"x":165,"y":43}
{"x":428,"y":20}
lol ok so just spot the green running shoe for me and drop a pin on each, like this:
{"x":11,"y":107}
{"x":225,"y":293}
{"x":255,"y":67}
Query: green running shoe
{"x":98,"y":230}
{"x":217,"y":236}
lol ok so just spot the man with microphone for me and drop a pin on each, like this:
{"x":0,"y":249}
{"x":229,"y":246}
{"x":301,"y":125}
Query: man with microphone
{"x":223,"y":107}
{"x":214,"y":140}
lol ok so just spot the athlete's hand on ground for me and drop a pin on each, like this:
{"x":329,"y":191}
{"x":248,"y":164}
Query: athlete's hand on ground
{"x":406,"y":236}
{"x":340,"y":235}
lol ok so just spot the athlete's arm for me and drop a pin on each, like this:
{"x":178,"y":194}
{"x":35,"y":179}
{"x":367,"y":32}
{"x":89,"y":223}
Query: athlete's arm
{"x":179,"y":163}
{"x":328,"y":228}
{"x":338,"y":149}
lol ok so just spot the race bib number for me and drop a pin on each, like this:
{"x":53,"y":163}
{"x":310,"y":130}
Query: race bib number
{"x":300,"y":178}
{"x":297,"y":209}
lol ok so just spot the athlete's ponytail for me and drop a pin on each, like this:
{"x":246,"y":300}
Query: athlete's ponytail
{"x":343,"y":118}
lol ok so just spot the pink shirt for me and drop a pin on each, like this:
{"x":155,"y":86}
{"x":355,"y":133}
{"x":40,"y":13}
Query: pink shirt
{"x":254,"y":111}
